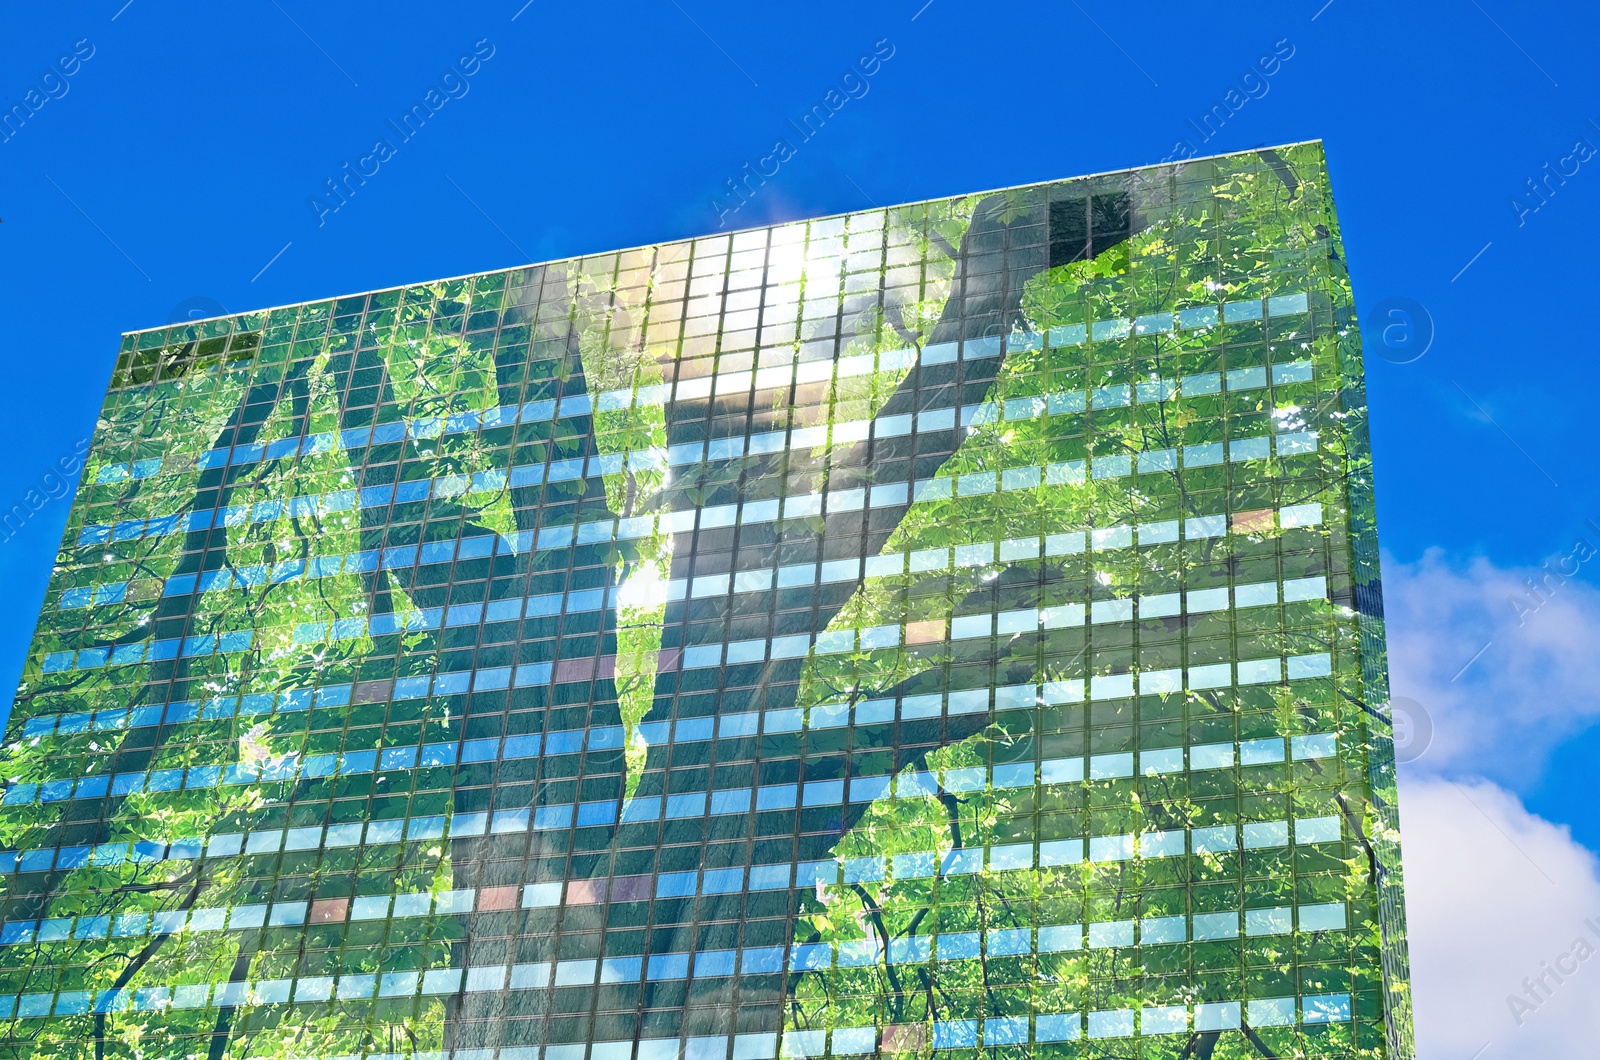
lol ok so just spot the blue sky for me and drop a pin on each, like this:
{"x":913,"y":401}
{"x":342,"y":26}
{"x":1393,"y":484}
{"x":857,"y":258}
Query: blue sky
{"x":177,"y":164}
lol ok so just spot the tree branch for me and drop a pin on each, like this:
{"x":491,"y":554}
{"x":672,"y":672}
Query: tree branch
{"x":140,"y":959}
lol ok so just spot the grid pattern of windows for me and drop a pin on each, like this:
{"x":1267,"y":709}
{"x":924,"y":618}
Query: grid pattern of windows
{"x":933,"y":629}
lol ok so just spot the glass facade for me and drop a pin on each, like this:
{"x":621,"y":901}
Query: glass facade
{"x":938,"y":629}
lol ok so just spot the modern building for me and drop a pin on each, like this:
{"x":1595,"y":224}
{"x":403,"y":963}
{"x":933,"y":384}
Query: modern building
{"x":932,"y":629}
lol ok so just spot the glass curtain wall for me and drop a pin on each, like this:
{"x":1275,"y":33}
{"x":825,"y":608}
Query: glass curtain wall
{"x":941,"y":628}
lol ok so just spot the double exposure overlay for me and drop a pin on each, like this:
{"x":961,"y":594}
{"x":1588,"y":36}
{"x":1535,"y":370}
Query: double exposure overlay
{"x":939,"y":629}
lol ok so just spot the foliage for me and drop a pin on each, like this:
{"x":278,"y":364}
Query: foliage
{"x":431,"y":355}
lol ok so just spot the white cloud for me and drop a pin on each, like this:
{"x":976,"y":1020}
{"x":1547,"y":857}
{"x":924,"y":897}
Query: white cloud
{"x":1493,"y":895}
{"x":1537,"y":684}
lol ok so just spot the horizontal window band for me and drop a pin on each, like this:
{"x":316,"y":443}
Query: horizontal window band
{"x":690,"y":805}
{"x":925,"y":633}
{"x":1069,"y":473}
{"x":576,"y":469}
{"x":766,"y":378}
{"x":1145,"y":1021}
{"x":516,"y":608}
{"x":295,"y":768}
{"x":802,"y":957}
